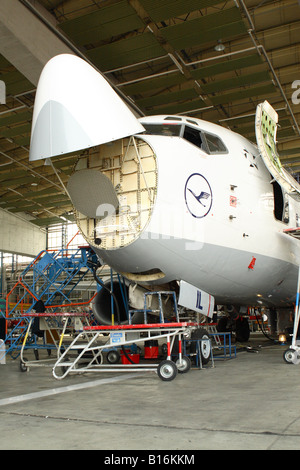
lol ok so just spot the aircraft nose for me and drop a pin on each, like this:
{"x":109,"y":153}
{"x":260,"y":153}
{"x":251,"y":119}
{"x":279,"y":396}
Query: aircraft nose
{"x":113,"y":191}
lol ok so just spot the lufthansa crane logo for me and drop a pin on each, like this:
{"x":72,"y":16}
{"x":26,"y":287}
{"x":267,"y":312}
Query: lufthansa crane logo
{"x":198,"y":195}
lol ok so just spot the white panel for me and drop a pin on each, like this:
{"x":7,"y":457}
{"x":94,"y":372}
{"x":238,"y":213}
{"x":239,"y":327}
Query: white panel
{"x":76,"y":108}
{"x":196,"y":299}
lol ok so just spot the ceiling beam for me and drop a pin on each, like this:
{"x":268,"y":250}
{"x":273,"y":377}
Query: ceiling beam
{"x":19,"y":29}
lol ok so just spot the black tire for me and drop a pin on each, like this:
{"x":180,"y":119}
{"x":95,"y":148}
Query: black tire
{"x":205,"y":348}
{"x":167,"y":370}
{"x":242,"y":330}
{"x":222,"y":325}
{"x":61,"y":370}
{"x":185,"y":366}
{"x":113,"y":356}
{"x":164,"y":349}
{"x":23,"y":367}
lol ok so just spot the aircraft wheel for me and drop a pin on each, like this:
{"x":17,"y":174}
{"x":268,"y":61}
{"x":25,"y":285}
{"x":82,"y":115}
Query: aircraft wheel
{"x":205,"y":349}
{"x":184,"y":366}
{"x":290,"y":356}
{"x":113,"y":357}
{"x":167,"y":370}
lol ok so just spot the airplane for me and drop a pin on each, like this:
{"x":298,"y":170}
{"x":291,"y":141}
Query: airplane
{"x":172,"y":202}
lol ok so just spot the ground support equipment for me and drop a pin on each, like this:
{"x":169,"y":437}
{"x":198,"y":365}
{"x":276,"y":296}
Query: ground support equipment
{"x":123,"y":336}
{"x":292,"y":354}
{"x":198,"y":354}
{"x":221,"y":341}
{"x":55,"y":328}
{"x":13,"y":340}
{"x":224,"y":344}
{"x":53,"y":276}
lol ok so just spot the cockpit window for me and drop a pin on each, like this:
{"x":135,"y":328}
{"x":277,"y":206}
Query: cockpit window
{"x":193,"y":136}
{"x":209,"y":143}
{"x":163,"y":129}
{"x":215,"y":144}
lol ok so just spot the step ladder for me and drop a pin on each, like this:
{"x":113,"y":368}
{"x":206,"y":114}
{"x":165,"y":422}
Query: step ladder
{"x":53,"y":277}
{"x":212,"y":329}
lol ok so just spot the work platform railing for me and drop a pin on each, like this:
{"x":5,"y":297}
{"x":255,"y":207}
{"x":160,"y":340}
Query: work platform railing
{"x":53,"y":277}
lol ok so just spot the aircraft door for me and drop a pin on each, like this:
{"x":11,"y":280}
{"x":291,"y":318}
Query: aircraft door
{"x":266,"y":129}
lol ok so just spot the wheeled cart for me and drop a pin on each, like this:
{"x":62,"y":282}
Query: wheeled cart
{"x":292,"y":354}
{"x":90,"y":345}
{"x":53,"y":327}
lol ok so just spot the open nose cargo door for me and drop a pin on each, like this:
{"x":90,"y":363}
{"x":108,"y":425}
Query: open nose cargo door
{"x":76,"y":108}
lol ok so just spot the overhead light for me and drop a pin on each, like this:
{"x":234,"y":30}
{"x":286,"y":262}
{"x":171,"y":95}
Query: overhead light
{"x":34,"y":184}
{"x":220,"y":46}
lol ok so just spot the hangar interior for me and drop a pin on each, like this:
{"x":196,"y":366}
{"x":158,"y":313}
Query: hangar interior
{"x":215,"y":60}
{"x":210,"y":59}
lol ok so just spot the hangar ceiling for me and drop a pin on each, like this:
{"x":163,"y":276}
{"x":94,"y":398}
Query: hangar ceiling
{"x":162,"y":57}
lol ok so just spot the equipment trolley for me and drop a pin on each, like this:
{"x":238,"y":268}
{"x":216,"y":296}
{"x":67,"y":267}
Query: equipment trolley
{"x":90,"y":344}
{"x":292,"y":354}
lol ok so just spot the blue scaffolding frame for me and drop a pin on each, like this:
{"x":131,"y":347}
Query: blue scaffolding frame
{"x":51,"y":275}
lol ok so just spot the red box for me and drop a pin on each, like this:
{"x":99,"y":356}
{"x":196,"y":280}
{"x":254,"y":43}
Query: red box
{"x":134,"y":357}
{"x":151,"y":352}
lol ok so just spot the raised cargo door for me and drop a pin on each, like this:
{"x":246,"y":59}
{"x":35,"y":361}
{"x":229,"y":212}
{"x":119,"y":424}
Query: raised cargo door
{"x":76,"y":108}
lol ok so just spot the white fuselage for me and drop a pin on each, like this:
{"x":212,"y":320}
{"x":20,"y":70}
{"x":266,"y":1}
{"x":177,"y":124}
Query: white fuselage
{"x":227,"y":243}
{"x":204,"y":217}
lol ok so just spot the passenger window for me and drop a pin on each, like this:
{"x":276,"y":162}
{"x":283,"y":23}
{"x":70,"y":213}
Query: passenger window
{"x":215,"y":144}
{"x":193,"y":136}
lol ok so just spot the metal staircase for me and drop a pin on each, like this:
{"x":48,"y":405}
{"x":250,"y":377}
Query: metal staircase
{"x":55,"y":278}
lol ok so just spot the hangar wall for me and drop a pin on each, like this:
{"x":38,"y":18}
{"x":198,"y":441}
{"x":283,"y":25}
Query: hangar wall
{"x":19,"y":236}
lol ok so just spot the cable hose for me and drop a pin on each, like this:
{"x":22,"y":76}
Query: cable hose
{"x":262,"y":330}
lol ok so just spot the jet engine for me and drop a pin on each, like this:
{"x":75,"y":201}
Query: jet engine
{"x":102,"y":303}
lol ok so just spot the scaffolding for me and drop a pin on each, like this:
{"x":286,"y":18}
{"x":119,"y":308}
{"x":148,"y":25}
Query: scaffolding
{"x":54,"y":277}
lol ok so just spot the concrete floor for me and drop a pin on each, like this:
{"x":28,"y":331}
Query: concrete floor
{"x":250,"y":402}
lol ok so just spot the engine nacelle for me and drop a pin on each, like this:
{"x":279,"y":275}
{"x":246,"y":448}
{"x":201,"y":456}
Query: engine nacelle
{"x":102,"y":303}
